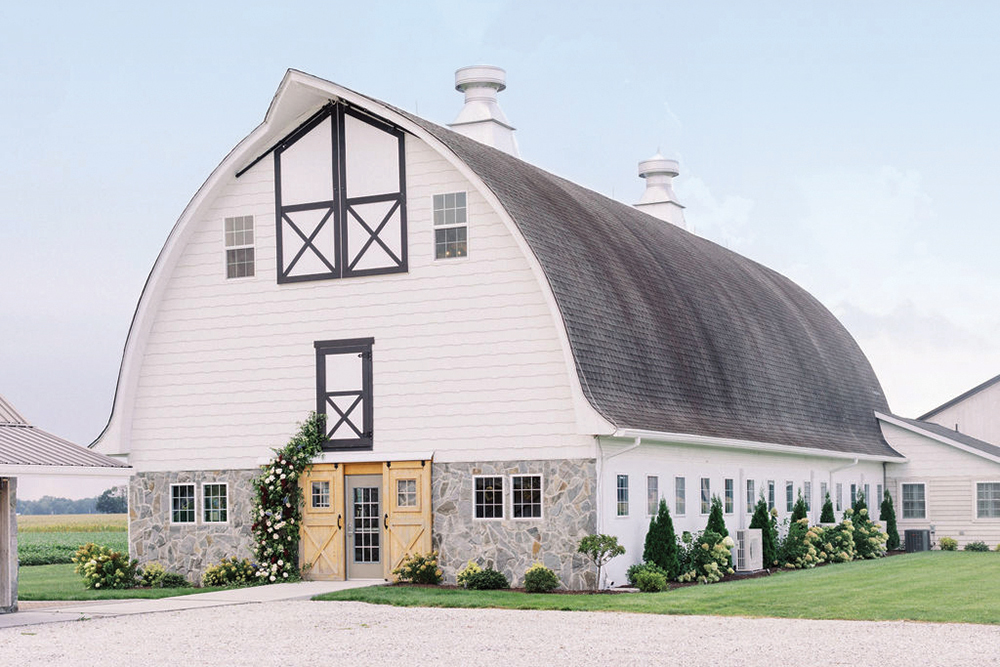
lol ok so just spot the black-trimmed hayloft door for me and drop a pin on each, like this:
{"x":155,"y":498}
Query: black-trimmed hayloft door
{"x":365,"y":543}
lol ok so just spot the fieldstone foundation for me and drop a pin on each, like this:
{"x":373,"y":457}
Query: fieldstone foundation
{"x":8,"y":544}
{"x":569,"y":512}
{"x":188,"y":548}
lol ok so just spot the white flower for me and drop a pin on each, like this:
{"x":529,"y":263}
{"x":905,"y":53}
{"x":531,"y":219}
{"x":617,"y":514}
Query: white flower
{"x":281,"y":562}
{"x":273,"y":577}
{"x":285,"y":575}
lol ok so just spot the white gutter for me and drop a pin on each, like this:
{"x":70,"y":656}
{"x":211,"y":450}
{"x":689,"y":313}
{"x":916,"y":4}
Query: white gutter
{"x":75,"y":471}
{"x":731,"y":443}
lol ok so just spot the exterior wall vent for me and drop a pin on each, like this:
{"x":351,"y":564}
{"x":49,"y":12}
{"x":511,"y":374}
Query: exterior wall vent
{"x":749,"y":550}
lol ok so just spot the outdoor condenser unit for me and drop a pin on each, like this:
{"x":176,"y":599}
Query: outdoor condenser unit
{"x":917,"y":540}
{"x":749,"y":550}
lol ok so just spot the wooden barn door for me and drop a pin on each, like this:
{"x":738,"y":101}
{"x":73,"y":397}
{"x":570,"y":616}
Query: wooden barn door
{"x":322,"y":529}
{"x":407,"y":510}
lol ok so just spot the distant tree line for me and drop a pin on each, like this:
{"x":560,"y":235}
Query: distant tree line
{"x":112,"y":501}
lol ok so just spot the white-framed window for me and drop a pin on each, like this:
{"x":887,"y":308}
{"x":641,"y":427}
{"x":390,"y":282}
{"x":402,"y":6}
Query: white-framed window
{"x":868,"y":497}
{"x":840,"y":496}
{"x":770,"y":494}
{"x":730,"y":497}
{"x":914,"y":501}
{"x":807,"y":492}
{"x":854,"y":494}
{"x":451,"y":228}
{"x":182,"y":503}
{"x":622,"y":487}
{"x":215,"y":503}
{"x":320,"y":494}
{"x":878,"y":495}
{"x":526,"y":496}
{"x":823,"y":490}
{"x":789,"y":496}
{"x":680,"y":496}
{"x":239,"y":246}
{"x":751,"y":498}
{"x":406,"y":493}
{"x":706,"y":495}
{"x":987,"y":500}
{"x":652,"y":494}
{"x":488,"y":497}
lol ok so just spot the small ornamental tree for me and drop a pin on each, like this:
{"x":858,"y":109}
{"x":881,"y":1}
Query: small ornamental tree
{"x":799,"y":510}
{"x":661,"y":542}
{"x":600,"y":549}
{"x":888,"y":514}
{"x":277,"y":503}
{"x":769,"y":539}
{"x":827,"y":516}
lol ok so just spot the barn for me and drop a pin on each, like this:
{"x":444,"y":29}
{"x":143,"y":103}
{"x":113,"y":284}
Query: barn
{"x":507,"y":360}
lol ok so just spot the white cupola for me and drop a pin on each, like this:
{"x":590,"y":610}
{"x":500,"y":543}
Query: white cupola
{"x":481,"y":118}
{"x":659,"y":199}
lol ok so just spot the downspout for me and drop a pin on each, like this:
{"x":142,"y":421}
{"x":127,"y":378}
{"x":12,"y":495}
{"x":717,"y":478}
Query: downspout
{"x":601,"y":458}
{"x":843,"y":467}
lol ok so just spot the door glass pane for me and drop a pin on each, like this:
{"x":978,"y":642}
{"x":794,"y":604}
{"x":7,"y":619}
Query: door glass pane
{"x":366,"y":528}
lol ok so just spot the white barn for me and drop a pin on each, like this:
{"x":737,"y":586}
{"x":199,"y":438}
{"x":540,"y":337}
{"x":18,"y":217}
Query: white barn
{"x":508,"y":360}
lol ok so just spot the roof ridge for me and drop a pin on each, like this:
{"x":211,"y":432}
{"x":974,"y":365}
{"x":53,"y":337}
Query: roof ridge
{"x":961,"y":397}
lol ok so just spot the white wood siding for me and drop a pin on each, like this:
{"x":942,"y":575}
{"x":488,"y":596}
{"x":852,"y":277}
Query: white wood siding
{"x":950,"y":477}
{"x":978,"y":415}
{"x":669,"y":461}
{"x":467,"y":359}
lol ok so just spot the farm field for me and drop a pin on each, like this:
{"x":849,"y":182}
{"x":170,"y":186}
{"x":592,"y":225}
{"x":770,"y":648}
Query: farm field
{"x":51,"y":539}
{"x":950,"y":587}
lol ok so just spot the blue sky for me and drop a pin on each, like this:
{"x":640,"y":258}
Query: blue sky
{"x":850,"y":147}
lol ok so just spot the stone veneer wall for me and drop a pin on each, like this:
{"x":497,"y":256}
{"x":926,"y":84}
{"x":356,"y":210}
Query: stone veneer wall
{"x":569,"y":511}
{"x":188,"y":548}
{"x":8,"y":551}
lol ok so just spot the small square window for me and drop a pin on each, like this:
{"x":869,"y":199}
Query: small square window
{"x":622,"y":495}
{"x":215,"y":505}
{"x":450,"y":222}
{"x":239,"y":246}
{"x":526,"y":496}
{"x":489,"y":497}
{"x":321,"y":495}
{"x":406,"y":493}
{"x":652,"y":495}
{"x":182,"y":503}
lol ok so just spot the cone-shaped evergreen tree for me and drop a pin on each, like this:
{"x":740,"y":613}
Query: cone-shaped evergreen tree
{"x":799,"y":510}
{"x":769,"y":542}
{"x":661,"y":542}
{"x":716,"y":523}
{"x":888,"y":514}
{"x":827,"y":516}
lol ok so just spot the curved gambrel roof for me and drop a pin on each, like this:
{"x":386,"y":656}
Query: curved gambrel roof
{"x":671,"y":332}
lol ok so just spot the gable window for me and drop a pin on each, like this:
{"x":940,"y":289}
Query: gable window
{"x":406,"y":493}
{"x":770,"y":494}
{"x":987,"y":500}
{"x":730,"y":493}
{"x":807,"y":492}
{"x":182,"y":503}
{"x":488,"y":497}
{"x":789,"y":496}
{"x":344,"y":392}
{"x":751,"y":499}
{"x":526,"y":496}
{"x":914,"y":501}
{"x":622,"y":495}
{"x":239,"y":247}
{"x":340,"y":197}
{"x":451,"y":234}
{"x":706,"y":495}
{"x":652,"y":494}
{"x":680,"y":501}
{"x":215,"y":503}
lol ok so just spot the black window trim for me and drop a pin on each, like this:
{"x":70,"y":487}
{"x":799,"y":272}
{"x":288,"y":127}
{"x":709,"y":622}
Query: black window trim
{"x":363,"y":347}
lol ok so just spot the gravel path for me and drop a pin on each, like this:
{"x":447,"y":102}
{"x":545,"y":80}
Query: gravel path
{"x":331,"y":633}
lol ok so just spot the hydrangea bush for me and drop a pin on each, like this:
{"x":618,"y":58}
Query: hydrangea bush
{"x":277,"y":505}
{"x":419,"y":569}
{"x":869,"y":540}
{"x":103,"y":568}
{"x":230,"y":572}
{"x":803,"y":546}
{"x":838,"y":542}
{"x":707,"y":558}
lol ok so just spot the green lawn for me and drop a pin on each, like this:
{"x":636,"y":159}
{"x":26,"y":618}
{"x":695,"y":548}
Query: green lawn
{"x":59,"y":582}
{"x":958,"y":587}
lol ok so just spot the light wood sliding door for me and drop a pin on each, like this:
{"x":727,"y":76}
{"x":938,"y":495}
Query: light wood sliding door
{"x":322,"y":529}
{"x":407,"y":517}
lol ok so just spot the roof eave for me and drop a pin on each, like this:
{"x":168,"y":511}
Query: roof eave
{"x":913,"y":428}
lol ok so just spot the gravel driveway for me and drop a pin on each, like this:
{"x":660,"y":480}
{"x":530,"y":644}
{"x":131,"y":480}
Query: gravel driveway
{"x":353,"y":633}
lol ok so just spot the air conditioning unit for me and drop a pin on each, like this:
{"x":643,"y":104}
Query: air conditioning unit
{"x":917,"y":540}
{"x":749,"y":550}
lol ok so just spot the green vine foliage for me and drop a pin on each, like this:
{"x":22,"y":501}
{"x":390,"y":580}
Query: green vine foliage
{"x":277,"y":505}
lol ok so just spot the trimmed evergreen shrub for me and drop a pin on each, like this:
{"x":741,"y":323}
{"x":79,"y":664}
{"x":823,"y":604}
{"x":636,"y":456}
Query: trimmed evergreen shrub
{"x":637,"y":569}
{"x":661,"y":543}
{"x":887,"y":513}
{"x":799,"y":510}
{"x":649,"y":581}
{"x":487,"y":579}
{"x":976,"y":546}
{"x":540,"y":579}
{"x":769,"y":539}
{"x":717,"y":524}
{"x":948,"y":544}
{"x":827,"y":515}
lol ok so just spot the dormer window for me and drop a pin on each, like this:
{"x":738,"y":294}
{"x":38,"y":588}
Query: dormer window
{"x":450,"y":226}
{"x":340,"y":197}
{"x":239,"y":246}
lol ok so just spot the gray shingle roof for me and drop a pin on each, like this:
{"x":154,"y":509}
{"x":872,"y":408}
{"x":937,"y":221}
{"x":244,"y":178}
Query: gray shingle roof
{"x":952,"y":434}
{"x":671,"y":332}
{"x":22,"y":444}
